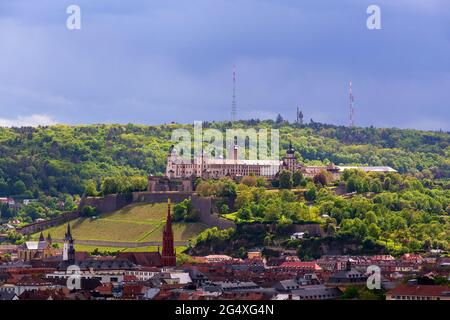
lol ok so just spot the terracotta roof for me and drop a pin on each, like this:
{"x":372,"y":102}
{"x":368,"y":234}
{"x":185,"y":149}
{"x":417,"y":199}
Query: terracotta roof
{"x":41,"y":295}
{"x":244,"y":296}
{"x":147,"y":259}
{"x":185,"y":296}
{"x":128,"y":277}
{"x":104,"y":288}
{"x":300,"y":265}
{"x":410,"y":256}
{"x":81,"y":256}
{"x":420,"y":290}
{"x":8,"y":247}
{"x":133,"y":290}
{"x":31,"y":281}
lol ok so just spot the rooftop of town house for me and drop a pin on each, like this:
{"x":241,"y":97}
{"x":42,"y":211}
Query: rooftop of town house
{"x":420,"y":290}
{"x":146,"y":259}
{"x":318,"y":291}
{"x":301,"y":265}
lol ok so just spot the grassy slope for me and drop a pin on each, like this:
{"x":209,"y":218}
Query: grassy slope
{"x":136,"y":222}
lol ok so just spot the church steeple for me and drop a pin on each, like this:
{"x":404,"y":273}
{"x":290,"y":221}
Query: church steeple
{"x":41,"y":237}
{"x":348,"y":265}
{"x":168,"y":251}
{"x":69,"y":248}
{"x":290,"y":150}
{"x":49,"y":239}
{"x":68,"y":235}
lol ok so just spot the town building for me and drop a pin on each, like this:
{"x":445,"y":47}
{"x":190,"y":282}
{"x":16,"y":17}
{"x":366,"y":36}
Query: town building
{"x":288,"y":285}
{"x":318,"y":292}
{"x":307,"y":266}
{"x":36,"y":250}
{"x":349,"y":276}
{"x":419,"y":292}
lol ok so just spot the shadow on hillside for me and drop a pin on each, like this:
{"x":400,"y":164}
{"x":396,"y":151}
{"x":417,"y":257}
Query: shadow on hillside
{"x":191,"y":230}
{"x":77,"y":223}
{"x":127,"y":209}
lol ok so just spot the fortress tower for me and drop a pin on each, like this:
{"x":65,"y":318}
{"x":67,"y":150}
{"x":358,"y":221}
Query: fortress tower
{"x":290,"y":161}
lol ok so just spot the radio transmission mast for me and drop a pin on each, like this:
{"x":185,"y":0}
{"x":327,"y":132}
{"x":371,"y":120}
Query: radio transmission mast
{"x":299,"y":120}
{"x":351,"y":111}
{"x":233,"y":102}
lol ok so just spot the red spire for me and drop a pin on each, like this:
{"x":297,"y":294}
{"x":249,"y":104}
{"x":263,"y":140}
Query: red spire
{"x":168,"y":251}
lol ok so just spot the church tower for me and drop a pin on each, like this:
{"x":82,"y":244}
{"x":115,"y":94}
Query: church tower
{"x":168,"y":251}
{"x":171,"y":162}
{"x":290,"y":161}
{"x":69,"y":249}
{"x":49,"y":239}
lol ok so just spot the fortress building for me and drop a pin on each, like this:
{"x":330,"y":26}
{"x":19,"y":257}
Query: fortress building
{"x":232,"y":167}
{"x":180,"y":173}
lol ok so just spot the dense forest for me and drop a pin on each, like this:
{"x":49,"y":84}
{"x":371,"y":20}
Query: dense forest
{"x":64,"y":162}
{"x":379,"y":213}
{"x":62,"y":159}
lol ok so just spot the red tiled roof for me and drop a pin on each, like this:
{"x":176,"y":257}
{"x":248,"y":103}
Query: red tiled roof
{"x":300,"y":265}
{"x":419,"y":290}
{"x":411,"y":256}
{"x":132,"y":290}
{"x":42,"y":295}
{"x":81,"y":256}
{"x":147,"y":259}
{"x":31,"y":281}
{"x":184,"y":296}
{"x":104,"y":289}
{"x":128,"y":277}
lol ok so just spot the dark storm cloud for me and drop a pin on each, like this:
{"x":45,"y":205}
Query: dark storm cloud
{"x":160,"y":61}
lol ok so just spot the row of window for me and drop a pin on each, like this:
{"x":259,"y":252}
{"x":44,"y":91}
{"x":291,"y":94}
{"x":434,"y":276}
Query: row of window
{"x":413,"y":298}
{"x":320,"y":296}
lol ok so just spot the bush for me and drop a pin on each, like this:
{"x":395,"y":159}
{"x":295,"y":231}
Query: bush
{"x":88,"y":211}
{"x":298,"y":179}
{"x":224,"y":209}
{"x":311,"y":194}
{"x":183,"y":211}
{"x":285,"y":179}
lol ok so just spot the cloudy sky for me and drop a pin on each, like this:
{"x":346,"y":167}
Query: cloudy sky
{"x":156,"y":61}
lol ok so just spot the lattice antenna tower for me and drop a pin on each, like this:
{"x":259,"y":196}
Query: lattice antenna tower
{"x":351,"y":106}
{"x":233,"y":102}
{"x":299,"y":119}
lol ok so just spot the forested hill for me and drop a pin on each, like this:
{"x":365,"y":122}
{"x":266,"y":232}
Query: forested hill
{"x":63,"y":159}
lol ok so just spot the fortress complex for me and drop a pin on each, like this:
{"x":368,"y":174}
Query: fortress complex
{"x":233,"y":167}
{"x":205,"y":167}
